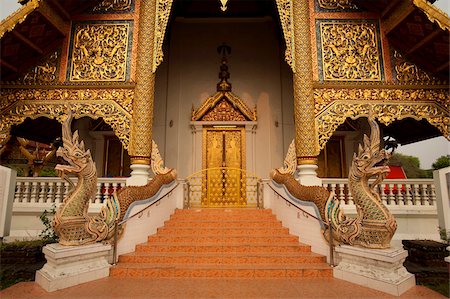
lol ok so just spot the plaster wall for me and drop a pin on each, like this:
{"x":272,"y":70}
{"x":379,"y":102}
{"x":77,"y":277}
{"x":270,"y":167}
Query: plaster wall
{"x":189,"y":74}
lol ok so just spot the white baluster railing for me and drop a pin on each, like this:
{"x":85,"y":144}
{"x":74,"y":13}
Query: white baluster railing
{"x":43,"y":192}
{"x":405,"y":192}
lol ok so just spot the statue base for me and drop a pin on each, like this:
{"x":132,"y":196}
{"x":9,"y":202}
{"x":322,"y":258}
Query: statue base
{"x":379,"y":269}
{"x":139,"y":175}
{"x":72,"y":265}
{"x":307,"y":175}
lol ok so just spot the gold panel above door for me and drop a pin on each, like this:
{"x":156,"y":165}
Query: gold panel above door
{"x":224,"y":159}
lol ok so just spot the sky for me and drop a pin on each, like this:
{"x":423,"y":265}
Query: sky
{"x":427,"y":151}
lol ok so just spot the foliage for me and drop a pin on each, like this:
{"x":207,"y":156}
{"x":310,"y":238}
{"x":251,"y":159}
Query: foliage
{"x":441,"y":162}
{"x":410,"y":164}
{"x":48,"y":172}
{"x":48,"y":234}
{"x":444,"y":234}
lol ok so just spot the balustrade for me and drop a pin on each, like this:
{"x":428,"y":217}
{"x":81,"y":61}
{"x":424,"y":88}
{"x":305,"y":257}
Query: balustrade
{"x":46,"y":191}
{"x":409,"y":192}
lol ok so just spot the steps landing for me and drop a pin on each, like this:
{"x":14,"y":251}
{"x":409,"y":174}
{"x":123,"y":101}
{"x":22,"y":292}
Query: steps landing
{"x":222,"y":243}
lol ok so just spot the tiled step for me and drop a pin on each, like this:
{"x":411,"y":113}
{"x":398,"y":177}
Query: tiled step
{"x":221,"y":259}
{"x":230,"y":239}
{"x":223,"y":211}
{"x":213,"y":271}
{"x":198,"y":231}
{"x":221,"y":247}
{"x":223,"y":217}
{"x":225,"y":225}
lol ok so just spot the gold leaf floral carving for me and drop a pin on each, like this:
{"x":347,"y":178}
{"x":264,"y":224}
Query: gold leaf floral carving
{"x":99,"y":52}
{"x":335,"y":114}
{"x":350,"y":51}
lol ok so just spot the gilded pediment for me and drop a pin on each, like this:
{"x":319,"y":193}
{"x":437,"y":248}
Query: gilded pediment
{"x":224,"y":106}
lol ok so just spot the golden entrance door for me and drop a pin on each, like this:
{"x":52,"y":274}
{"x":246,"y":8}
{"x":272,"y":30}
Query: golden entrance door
{"x":223,"y":183}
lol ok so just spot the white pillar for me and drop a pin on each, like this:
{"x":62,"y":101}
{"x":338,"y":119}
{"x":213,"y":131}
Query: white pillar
{"x":140,"y":174}
{"x":441,"y":179}
{"x":307,"y":175}
{"x":7,"y":188}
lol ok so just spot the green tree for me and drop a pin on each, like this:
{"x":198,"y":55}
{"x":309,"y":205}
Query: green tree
{"x":441,"y":162}
{"x":410,"y":164}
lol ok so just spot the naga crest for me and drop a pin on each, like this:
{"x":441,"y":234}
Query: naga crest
{"x":72,"y":150}
{"x":370,"y":159}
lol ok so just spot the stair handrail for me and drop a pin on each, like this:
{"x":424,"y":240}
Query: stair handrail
{"x":117,"y":223}
{"x":330,"y":242}
{"x":295,"y":205}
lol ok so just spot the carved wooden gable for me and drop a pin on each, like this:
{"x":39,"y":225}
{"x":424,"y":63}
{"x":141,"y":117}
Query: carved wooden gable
{"x":224,"y":106}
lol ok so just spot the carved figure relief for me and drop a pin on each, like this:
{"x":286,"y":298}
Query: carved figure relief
{"x":45,"y":72}
{"x":114,"y":5}
{"x":99,"y":52}
{"x":408,"y":72}
{"x":336,"y":4}
{"x":350,"y":51}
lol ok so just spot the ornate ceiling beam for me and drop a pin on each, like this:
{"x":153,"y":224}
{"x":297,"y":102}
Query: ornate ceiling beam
{"x":27,"y":41}
{"x":427,"y":39}
{"x":54,"y":17}
{"x":61,"y":9}
{"x":389,"y":7}
{"x":8,"y":65}
{"x":397,"y":15}
{"x":442,"y":67}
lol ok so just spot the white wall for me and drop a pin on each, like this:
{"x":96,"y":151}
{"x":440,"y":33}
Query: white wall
{"x":259,"y":76}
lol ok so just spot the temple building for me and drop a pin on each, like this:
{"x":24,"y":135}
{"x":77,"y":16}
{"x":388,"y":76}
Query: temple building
{"x":307,"y":71}
{"x":287,"y":108}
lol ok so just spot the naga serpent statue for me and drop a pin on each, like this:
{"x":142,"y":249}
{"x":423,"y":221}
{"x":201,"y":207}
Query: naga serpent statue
{"x":374,"y":226}
{"x":71,"y":223}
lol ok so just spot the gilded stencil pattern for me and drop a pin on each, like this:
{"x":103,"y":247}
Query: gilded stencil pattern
{"x":99,"y":52}
{"x":350,"y":51}
{"x":286,"y":15}
{"x":162,"y":17}
{"x":386,"y":113}
{"x":337,"y":4}
{"x":408,"y":72}
{"x":306,"y":137}
{"x":324,"y":96}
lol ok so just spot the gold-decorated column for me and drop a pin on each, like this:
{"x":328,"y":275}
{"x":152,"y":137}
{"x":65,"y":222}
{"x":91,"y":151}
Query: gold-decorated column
{"x":144,"y":93}
{"x":141,"y":130}
{"x":306,"y":142}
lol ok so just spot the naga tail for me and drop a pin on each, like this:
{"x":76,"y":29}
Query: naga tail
{"x":333,"y":213}
{"x":102,"y":225}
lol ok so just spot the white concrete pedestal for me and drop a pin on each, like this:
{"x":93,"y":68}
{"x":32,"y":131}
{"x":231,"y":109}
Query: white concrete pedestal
{"x":139,"y":175}
{"x":379,"y":269}
{"x":307,"y":175}
{"x":72,"y":265}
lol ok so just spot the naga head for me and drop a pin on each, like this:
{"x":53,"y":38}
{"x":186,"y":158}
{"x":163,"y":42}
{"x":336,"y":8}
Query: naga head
{"x":72,"y":150}
{"x":371,"y":160}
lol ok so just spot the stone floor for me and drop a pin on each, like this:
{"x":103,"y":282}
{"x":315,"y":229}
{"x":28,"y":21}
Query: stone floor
{"x":113,"y":287}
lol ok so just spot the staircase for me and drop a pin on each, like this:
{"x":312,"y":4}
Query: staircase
{"x":212,"y":243}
